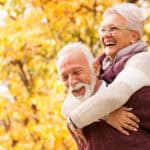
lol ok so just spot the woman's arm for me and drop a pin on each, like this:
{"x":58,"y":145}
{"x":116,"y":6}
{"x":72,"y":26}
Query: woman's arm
{"x":69,"y":105}
{"x":134,"y":76}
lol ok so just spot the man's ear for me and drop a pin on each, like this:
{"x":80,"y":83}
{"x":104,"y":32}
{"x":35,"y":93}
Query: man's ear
{"x":96,"y":67}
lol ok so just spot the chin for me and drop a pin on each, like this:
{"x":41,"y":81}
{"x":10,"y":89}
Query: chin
{"x":80,"y":98}
{"x":109,"y":53}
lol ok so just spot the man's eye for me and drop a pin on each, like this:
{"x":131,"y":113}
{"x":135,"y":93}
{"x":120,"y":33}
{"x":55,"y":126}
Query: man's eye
{"x":76,"y":72}
{"x":64,"y":78}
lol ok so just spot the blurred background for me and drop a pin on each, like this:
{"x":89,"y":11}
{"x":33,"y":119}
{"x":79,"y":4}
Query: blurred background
{"x":31,"y":94}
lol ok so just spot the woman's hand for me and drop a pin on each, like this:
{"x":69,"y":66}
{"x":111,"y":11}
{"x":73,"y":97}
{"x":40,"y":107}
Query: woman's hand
{"x":123,"y":120}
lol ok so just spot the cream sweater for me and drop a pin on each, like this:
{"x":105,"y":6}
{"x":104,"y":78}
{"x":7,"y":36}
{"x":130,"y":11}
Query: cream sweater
{"x":135,"y":75}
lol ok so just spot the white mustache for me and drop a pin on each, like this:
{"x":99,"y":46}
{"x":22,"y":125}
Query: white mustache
{"x":76,"y":87}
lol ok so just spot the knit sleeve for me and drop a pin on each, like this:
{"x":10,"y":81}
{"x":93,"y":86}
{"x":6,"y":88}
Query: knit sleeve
{"x":69,"y":105}
{"x":134,"y":76}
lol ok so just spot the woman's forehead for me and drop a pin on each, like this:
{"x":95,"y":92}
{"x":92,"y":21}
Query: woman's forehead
{"x":114,"y":19}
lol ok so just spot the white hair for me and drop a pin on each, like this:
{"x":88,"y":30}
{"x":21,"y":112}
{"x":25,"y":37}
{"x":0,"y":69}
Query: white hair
{"x":73,"y":46}
{"x":133,"y":14}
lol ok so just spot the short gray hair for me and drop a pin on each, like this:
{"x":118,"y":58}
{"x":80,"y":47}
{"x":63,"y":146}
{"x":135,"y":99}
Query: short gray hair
{"x":133,"y":14}
{"x":73,"y":46}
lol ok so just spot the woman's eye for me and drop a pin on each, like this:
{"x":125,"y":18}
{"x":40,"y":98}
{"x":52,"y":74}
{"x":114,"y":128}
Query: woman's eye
{"x":103,"y":30}
{"x":113,"y":28}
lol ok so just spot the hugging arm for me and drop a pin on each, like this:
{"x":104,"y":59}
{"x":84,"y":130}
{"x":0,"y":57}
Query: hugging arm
{"x":134,"y":76}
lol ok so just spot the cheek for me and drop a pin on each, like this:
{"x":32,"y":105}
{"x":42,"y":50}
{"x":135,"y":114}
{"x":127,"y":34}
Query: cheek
{"x":65,"y":83}
{"x":83,"y":79}
{"x":101,"y":41}
{"x":123,"y":40}
{"x":85,"y":76}
{"x":87,"y":79}
{"x":123,"y":43}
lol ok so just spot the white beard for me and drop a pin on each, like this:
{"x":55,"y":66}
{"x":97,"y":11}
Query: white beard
{"x":89,"y":88}
{"x":88,"y":91}
{"x":72,"y":102}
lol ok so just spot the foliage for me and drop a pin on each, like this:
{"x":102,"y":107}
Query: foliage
{"x":32,"y":32}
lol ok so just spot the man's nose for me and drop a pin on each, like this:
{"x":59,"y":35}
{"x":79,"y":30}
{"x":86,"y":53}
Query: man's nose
{"x":72,"y":80}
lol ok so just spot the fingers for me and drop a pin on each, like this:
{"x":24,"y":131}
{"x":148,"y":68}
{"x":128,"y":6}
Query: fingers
{"x":131,"y":114}
{"x":80,"y":134}
{"x":123,"y":120}
{"x":131,"y":123}
{"x":126,"y":108}
{"x":83,"y":139}
{"x":123,"y":131}
{"x":129,"y":127}
{"x":133,"y":117}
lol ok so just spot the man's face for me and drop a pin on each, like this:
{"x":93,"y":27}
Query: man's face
{"x":114,"y":34}
{"x":76,"y":75}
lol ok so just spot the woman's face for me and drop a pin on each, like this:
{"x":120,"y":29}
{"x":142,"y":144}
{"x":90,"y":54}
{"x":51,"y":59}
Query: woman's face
{"x":114,"y":34}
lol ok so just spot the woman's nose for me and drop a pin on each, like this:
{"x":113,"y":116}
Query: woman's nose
{"x":107,"y":34}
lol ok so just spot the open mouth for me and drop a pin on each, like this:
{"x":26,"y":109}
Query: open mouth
{"x":78,"y":92}
{"x":109,"y":43}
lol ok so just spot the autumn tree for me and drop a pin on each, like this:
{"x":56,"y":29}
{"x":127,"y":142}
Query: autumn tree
{"x":32,"y":32}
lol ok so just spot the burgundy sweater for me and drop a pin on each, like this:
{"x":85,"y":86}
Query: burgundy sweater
{"x":101,"y":136}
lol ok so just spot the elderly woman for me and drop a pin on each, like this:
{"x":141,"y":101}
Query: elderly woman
{"x":125,"y":66}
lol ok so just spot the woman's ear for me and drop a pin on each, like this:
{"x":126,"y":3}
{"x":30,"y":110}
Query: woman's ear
{"x":96,"y":67}
{"x":135,"y":37}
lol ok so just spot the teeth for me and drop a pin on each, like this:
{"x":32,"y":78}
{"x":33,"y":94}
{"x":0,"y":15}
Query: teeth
{"x":109,"y":43}
{"x":75,"y":90}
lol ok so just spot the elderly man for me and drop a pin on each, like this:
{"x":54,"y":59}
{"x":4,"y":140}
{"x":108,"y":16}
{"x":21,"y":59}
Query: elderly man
{"x":125,"y":64}
{"x":79,"y":75}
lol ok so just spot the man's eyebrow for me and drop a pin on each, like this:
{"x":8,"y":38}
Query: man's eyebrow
{"x":78,"y":68}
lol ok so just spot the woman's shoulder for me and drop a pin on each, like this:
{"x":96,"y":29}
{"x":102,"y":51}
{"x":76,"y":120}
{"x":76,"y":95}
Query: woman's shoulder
{"x":142,"y":54}
{"x":138,"y":59}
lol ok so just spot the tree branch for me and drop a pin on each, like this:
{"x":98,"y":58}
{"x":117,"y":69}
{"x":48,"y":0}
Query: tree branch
{"x":23,"y":75}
